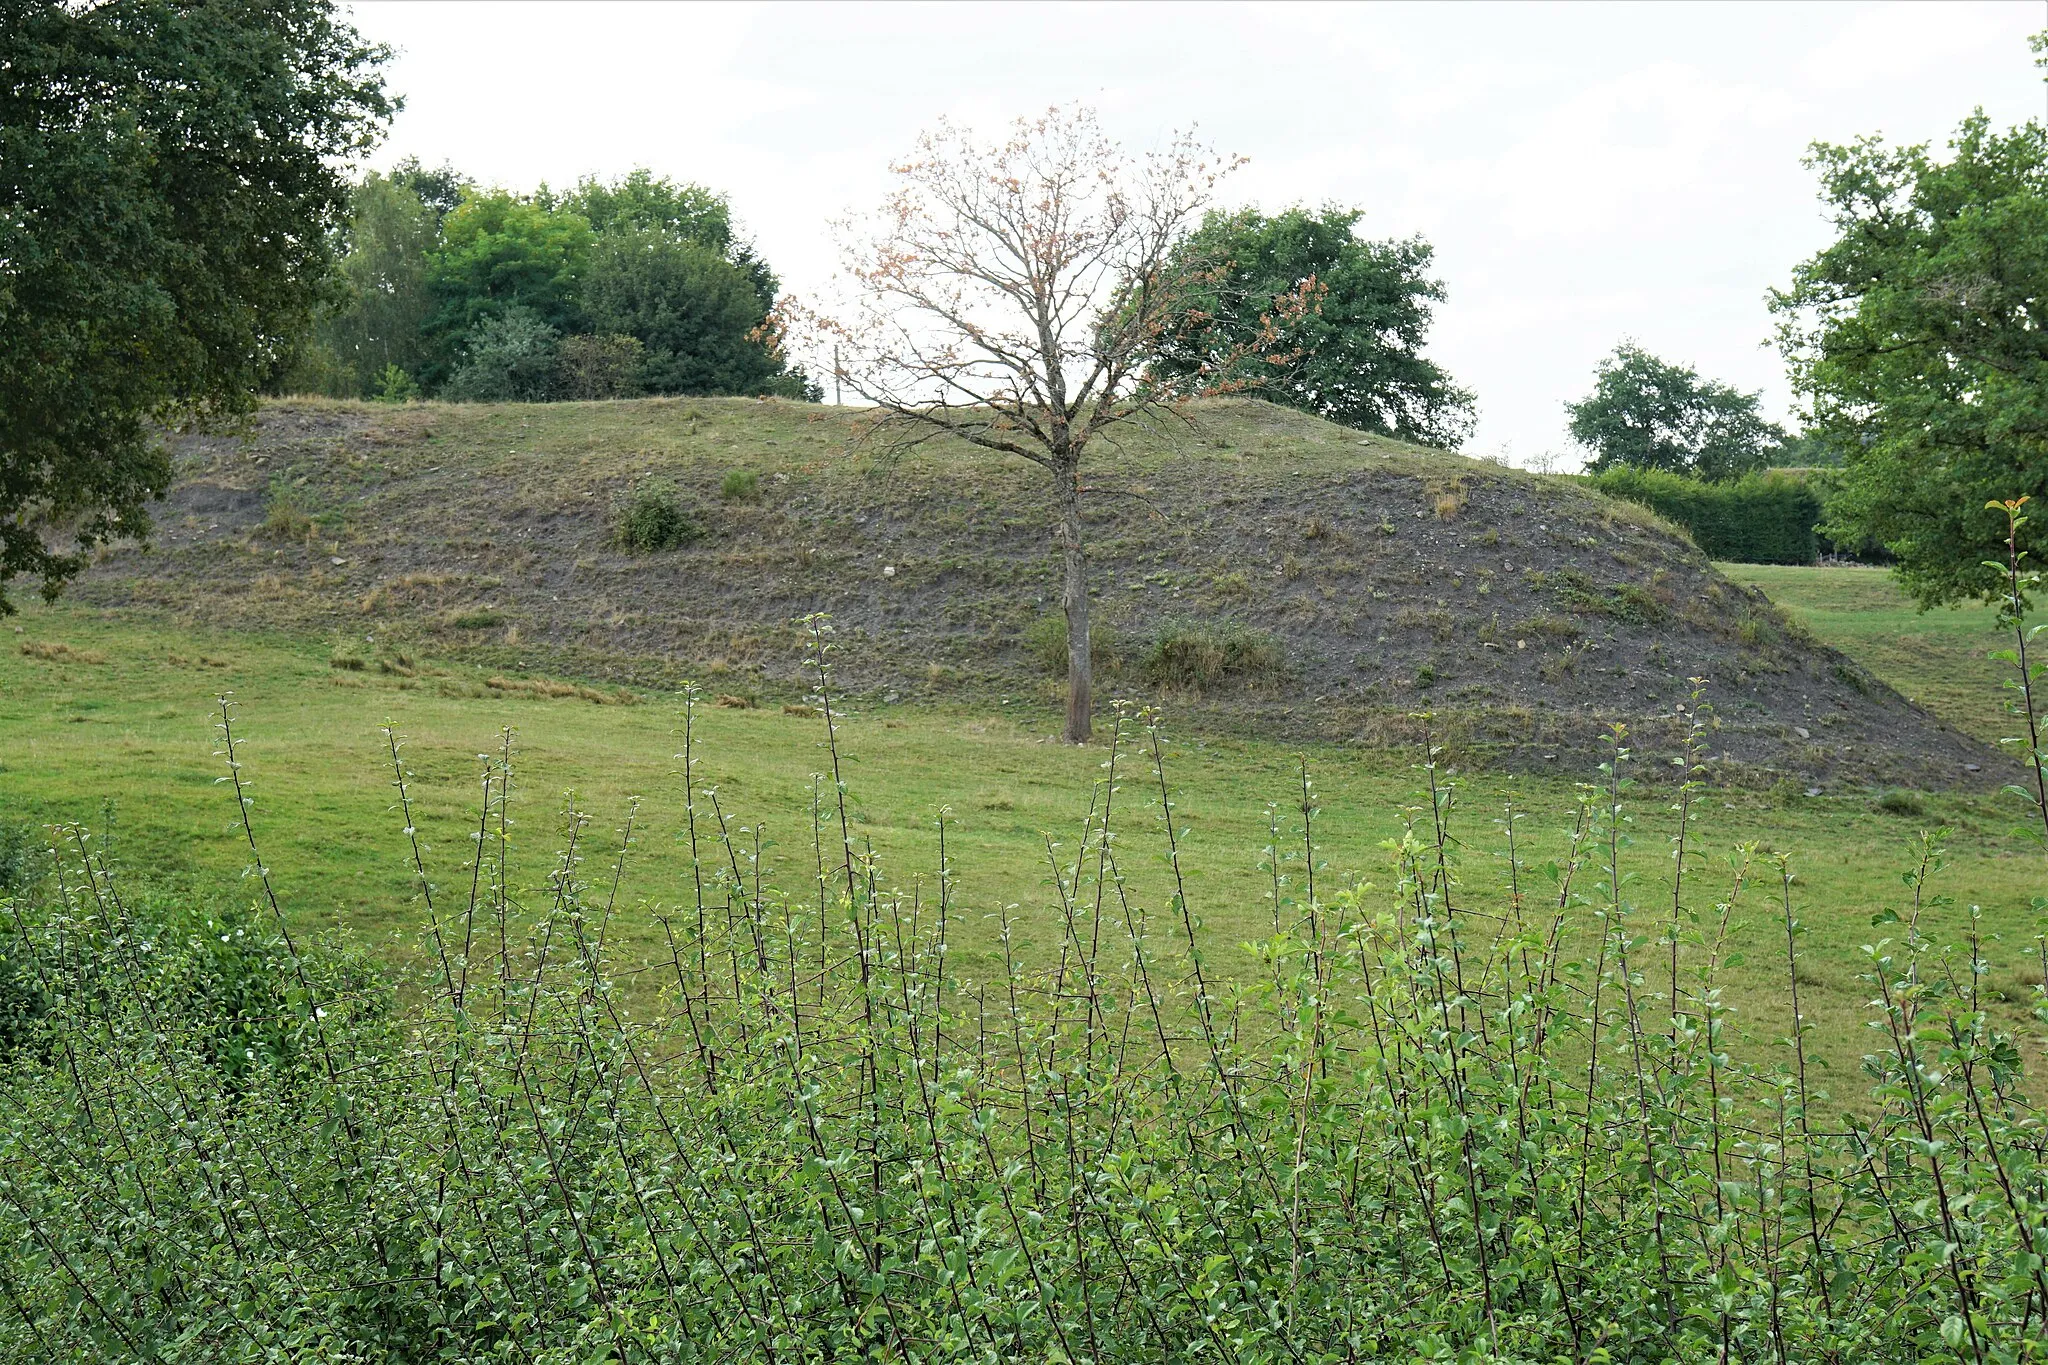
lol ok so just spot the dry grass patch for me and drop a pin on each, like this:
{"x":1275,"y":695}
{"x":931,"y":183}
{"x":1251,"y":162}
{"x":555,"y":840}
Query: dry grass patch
{"x":57,"y":652}
{"x":547,"y":689}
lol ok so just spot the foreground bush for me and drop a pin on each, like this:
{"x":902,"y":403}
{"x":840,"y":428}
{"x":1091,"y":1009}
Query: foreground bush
{"x":1448,"y":1119}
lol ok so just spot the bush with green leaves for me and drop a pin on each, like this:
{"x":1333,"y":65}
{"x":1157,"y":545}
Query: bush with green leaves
{"x":509,"y":358}
{"x":651,"y":517}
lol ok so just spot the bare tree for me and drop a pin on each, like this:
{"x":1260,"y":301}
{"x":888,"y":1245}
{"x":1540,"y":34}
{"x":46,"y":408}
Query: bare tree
{"x":1010,"y":294}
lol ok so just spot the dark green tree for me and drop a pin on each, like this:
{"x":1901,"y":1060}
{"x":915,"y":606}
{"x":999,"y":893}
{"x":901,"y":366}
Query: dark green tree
{"x":498,"y":252}
{"x":1920,"y":339}
{"x":508,"y":357}
{"x":171,"y":186}
{"x":1355,"y":358}
{"x":438,"y":187}
{"x":694,"y":310}
{"x":1649,"y":414}
{"x":669,"y":270}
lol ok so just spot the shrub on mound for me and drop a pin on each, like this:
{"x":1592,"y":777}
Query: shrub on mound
{"x":1187,"y":655}
{"x":650,"y":517}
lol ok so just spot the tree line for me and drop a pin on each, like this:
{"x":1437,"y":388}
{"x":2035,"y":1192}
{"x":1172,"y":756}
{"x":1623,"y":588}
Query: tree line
{"x":453,"y":289}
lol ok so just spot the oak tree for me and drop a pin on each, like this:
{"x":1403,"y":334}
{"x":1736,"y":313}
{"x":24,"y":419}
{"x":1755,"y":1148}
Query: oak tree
{"x":171,"y":189}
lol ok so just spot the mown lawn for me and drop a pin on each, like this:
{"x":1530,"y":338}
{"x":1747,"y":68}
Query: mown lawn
{"x":1939,"y":658}
{"x":126,"y":717}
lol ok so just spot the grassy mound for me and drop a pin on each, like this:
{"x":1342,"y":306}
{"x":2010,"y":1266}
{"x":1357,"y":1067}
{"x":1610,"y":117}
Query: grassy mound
{"x":1260,"y":567}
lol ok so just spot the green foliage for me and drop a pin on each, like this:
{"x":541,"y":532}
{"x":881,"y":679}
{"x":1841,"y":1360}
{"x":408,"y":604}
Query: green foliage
{"x":438,"y":187}
{"x":1645,"y":413}
{"x":645,"y":202}
{"x":381,"y":325}
{"x":1045,"y":640}
{"x":18,"y":851}
{"x":510,"y":357}
{"x":697,"y":312}
{"x":740,"y":485}
{"x":592,"y":367}
{"x":1917,"y":339}
{"x":650,"y":517}
{"x":285,"y":517}
{"x":1356,"y":358}
{"x":1438,"y":1119}
{"x":502,"y":254}
{"x":1898,"y":802}
{"x":1184,"y":654}
{"x":169,"y":191}
{"x":395,"y":386}
{"x":1763,"y":518}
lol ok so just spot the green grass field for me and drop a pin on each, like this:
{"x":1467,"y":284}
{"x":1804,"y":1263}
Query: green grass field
{"x":125,"y":716}
{"x":1939,"y":658}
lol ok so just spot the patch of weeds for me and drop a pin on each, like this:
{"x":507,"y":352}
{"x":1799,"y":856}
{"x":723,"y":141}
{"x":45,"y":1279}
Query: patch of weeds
{"x":740,"y":485}
{"x":1425,"y":676}
{"x":1756,"y":630}
{"x":482,"y":618}
{"x":1045,"y":640}
{"x":733,"y":701}
{"x":286,"y":518}
{"x":1197,"y":656}
{"x":1489,"y":538}
{"x":1315,"y":528}
{"x":1550,"y":626}
{"x":1898,"y":802}
{"x":549,"y":689}
{"x":347,"y":663}
{"x":57,"y":652}
{"x":1386,"y":528}
{"x":1852,"y":678}
{"x":19,"y":848}
{"x":1636,"y":604}
{"x":1233,"y":586}
{"x":650,"y":518}
{"x":1786,"y":792}
{"x":1448,"y":500}
{"x":1290,"y":569}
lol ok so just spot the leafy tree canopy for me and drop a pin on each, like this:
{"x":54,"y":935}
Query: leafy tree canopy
{"x":439,"y":188}
{"x":169,"y":199}
{"x":698,"y":314}
{"x":1649,"y":414}
{"x":500,"y":251}
{"x":1920,"y":337}
{"x":392,"y":236}
{"x":645,"y":202}
{"x":1356,"y":358}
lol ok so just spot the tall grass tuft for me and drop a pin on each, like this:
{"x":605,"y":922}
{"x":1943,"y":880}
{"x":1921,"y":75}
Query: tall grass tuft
{"x":1451,"y":1112}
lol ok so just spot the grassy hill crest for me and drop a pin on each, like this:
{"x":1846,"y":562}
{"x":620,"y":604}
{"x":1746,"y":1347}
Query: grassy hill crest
{"x":1256,"y":567}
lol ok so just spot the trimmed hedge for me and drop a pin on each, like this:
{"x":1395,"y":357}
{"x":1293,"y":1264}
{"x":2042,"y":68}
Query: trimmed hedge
{"x":1765,"y":518}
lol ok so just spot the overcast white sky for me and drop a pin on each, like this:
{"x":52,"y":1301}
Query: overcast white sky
{"x":1586,"y":172}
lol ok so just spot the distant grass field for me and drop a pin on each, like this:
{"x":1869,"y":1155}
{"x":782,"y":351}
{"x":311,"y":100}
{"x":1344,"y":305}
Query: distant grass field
{"x":1938,"y":658}
{"x":122,"y":713}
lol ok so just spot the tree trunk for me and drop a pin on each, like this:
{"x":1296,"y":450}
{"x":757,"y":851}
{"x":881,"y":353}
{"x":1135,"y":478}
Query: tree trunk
{"x":1074,"y":598}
